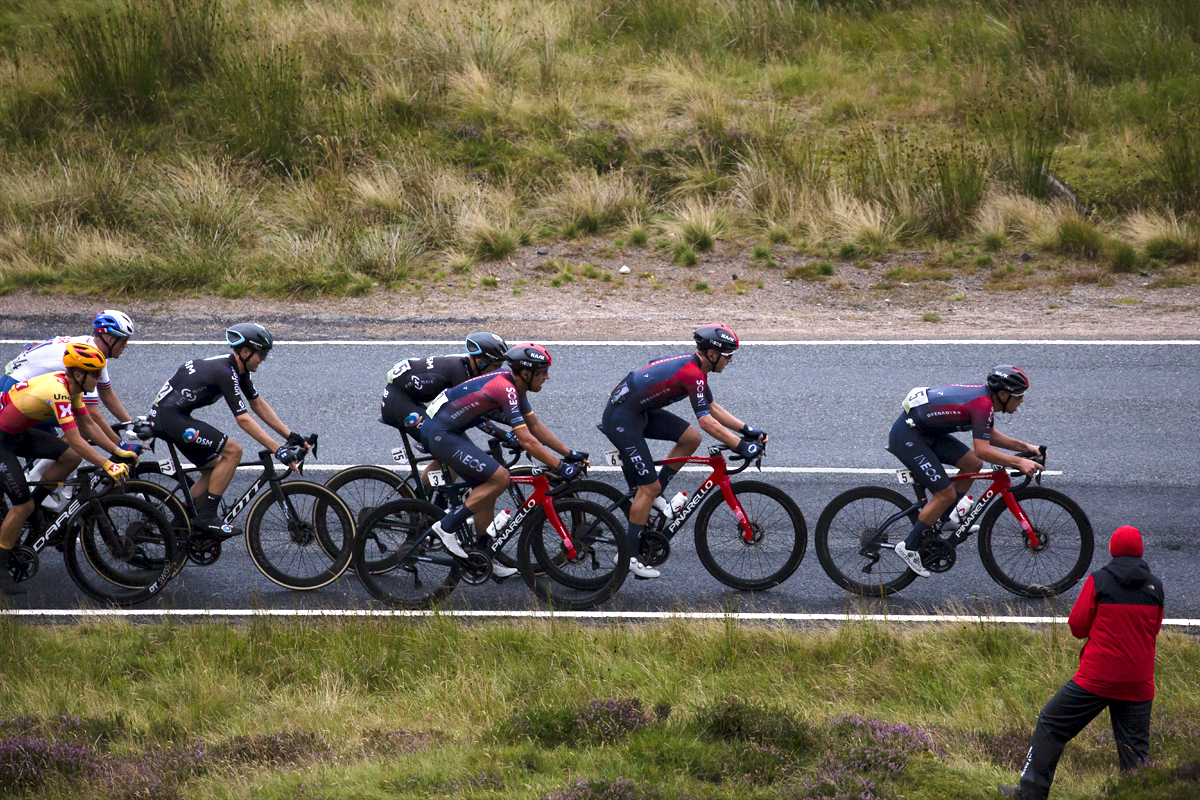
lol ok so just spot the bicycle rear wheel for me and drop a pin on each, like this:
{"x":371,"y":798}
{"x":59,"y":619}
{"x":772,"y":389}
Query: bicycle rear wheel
{"x":283,"y":537}
{"x":1062,"y":555}
{"x":601,"y":560}
{"x":854,"y":552}
{"x":364,"y":489}
{"x":407,"y":567}
{"x":780,"y":537}
{"x":172,"y":507}
{"x":120,"y":550}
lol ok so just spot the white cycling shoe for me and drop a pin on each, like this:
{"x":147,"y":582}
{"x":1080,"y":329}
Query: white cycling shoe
{"x":501,"y":571}
{"x":913,"y":559}
{"x":639,"y":569}
{"x":449,"y":540}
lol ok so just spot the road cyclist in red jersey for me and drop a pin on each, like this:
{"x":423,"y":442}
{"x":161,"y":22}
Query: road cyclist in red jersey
{"x":636,"y":411}
{"x":921,"y":439}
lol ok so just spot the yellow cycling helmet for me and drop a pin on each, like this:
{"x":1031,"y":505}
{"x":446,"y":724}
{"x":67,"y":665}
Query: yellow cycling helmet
{"x":83,"y":356}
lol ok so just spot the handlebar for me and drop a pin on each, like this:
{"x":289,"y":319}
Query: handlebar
{"x":298,"y":451}
{"x":1039,"y":457}
{"x":733,"y":457}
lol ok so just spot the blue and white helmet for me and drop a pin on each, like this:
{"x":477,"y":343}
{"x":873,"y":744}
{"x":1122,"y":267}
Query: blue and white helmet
{"x":117,"y":323}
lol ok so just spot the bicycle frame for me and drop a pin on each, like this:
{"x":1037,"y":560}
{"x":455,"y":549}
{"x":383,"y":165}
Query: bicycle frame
{"x":88,"y":491}
{"x":540,"y":497}
{"x":1001,"y":484}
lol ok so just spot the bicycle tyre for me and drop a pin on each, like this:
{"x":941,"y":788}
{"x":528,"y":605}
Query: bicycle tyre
{"x":1010,"y":561}
{"x":722,"y":548}
{"x":363,"y":489}
{"x":586,"y":489}
{"x":402,"y":526}
{"x":127,"y":575}
{"x":846,"y":524}
{"x":158,"y":495}
{"x":548,"y":572}
{"x":288,"y":550}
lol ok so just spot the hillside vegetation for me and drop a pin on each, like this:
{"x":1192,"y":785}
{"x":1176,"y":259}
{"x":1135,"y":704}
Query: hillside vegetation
{"x":296,"y":149}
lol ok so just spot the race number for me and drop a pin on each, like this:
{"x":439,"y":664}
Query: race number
{"x":399,"y":456}
{"x":904,"y":476}
{"x":917,"y":397}
{"x":436,"y":404}
{"x":613,"y":458}
{"x":436,"y":478}
{"x":398,"y":370}
{"x":163,"y":392}
{"x":167,"y":467}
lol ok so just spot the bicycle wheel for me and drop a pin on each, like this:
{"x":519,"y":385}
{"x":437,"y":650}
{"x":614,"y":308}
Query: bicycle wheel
{"x":1064,"y":550}
{"x":416,"y":571}
{"x":518,"y":493}
{"x":282,"y":537}
{"x":854,"y":552}
{"x":780,"y":537}
{"x":120,"y":550}
{"x":176,"y":513}
{"x":601,"y":555}
{"x":364,"y":489}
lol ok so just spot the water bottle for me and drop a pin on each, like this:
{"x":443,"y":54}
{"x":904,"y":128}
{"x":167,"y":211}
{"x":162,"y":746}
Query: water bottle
{"x":498,"y":523}
{"x":678,"y":502}
{"x":961,"y":510}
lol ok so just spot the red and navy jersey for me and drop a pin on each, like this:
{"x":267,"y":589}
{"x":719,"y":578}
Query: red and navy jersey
{"x":1119,"y":612}
{"x":491,"y":396}
{"x":662,"y":382}
{"x":951,"y":409}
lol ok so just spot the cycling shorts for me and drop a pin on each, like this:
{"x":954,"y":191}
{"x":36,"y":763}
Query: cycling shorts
{"x":395,"y":406}
{"x":457,"y":452}
{"x":925,"y":455}
{"x":33,"y":443}
{"x":629,"y":433}
{"x":199,"y":442}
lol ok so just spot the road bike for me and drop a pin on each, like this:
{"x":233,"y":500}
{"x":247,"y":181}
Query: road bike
{"x":749,"y":535}
{"x":571,"y":552}
{"x":1041,"y":548}
{"x":118,"y":549}
{"x":299,"y":534}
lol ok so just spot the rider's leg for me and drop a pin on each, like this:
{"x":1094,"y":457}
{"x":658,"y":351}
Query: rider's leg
{"x":10,"y":528}
{"x":214,"y":481}
{"x":482,"y":500}
{"x":64,"y":466}
{"x":687,"y":444}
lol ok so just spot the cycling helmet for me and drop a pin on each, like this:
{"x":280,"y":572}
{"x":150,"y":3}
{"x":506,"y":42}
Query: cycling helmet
{"x":83,"y":356}
{"x":487,"y":346}
{"x":714,"y":336}
{"x":1008,"y":378}
{"x":115,"y":322}
{"x":528,"y":356}
{"x":250,"y":334}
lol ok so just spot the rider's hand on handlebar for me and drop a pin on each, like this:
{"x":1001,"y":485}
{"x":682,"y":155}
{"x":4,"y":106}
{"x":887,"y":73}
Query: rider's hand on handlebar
{"x":287,"y":456}
{"x":567,"y":470}
{"x":297,"y":440}
{"x":753,"y":433}
{"x":748,"y":449}
{"x":1029,"y":468}
{"x":116,"y":472}
{"x":577,"y":457}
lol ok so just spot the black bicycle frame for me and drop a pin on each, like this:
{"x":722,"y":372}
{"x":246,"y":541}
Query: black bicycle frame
{"x":85,"y":495}
{"x":269,"y":476}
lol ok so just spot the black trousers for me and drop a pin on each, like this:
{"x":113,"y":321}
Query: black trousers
{"x":1068,"y":713}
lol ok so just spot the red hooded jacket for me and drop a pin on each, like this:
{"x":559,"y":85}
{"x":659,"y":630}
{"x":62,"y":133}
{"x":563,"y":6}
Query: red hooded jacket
{"x":1119,"y":612}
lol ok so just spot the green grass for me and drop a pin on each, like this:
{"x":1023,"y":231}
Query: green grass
{"x":435,"y":707}
{"x":200,"y":134}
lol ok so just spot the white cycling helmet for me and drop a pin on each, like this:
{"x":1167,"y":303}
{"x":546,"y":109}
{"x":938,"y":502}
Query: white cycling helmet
{"x":117,"y":323}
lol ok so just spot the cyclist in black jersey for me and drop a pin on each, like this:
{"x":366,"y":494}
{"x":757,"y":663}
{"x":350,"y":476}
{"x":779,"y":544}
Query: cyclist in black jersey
{"x":201,"y":383}
{"x":413,"y":382}
{"x":921,"y":439}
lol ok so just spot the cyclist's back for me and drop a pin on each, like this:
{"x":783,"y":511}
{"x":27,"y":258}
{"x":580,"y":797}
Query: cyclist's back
{"x":413,"y":382}
{"x":41,"y":398}
{"x":491,"y":396}
{"x":201,"y":382}
{"x":662,"y":382}
{"x":46,"y":357}
{"x":951,"y":409}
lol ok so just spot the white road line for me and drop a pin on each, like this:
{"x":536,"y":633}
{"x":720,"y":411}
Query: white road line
{"x":684,"y":343}
{"x":601,"y":615}
{"x":784,"y":470}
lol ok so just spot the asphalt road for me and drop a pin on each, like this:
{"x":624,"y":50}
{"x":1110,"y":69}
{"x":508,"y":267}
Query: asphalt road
{"x":1116,"y":419}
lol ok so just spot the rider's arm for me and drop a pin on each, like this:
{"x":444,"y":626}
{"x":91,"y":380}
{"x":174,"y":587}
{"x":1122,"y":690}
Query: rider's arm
{"x":113,"y":403}
{"x":543,"y":435}
{"x":101,"y":430}
{"x":91,"y":426}
{"x":534,"y":447}
{"x":987,"y":452}
{"x":75,"y":439}
{"x":267,"y":414}
{"x":1009,"y":443}
{"x":709,"y":424}
{"x":247,"y":423}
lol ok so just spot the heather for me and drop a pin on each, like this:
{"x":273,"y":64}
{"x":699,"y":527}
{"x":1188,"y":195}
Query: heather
{"x":242,"y":147}
{"x":554,"y":709}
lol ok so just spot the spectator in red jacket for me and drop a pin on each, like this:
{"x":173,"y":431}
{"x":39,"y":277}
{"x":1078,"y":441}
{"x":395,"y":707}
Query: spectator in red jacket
{"x":1119,"y":612}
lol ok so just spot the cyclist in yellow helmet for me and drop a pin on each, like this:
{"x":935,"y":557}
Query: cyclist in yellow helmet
{"x":57,"y":395}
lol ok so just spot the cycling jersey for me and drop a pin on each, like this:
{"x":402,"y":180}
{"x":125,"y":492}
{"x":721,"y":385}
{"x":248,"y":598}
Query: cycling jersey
{"x":663,"y":382}
{"x":46,"y":357}
{"x":951,"y":409}
{"x":492,"y":396}
{"x":201,"y":383}
{"x":38,"y":399}
{"x":415,"y":381}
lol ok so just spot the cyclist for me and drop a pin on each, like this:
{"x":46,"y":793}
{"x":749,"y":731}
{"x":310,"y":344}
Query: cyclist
{"x":58,"y":396}
{"x":921,"y":439}
{"x":113,"y":330}
{"x":636,"y":411}
{"x":413,"y":382}
{"x":501,"y":394}
{"x":201,"y":383}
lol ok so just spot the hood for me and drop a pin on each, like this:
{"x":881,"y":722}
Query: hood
{"x":1129,"y":570}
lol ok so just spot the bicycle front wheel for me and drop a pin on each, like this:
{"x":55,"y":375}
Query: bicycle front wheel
{"x":120,"y":550}
{"x":766,"y":560}
{"x":1061,"y":556}
{"x":399,"y":560}
{"x":161,"y":497}
{"x":853,"y":549}
{"x":288,"y":541}
{"x":601,"y":560}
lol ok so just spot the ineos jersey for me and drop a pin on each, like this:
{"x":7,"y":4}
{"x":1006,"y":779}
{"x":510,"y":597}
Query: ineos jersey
{"x":951,"y":409}
{"x":200,"y":383}
{"x":493,"y":396}
{"x":663,"y":382}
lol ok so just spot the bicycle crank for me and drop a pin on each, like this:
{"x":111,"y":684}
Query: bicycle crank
{"x":23,"y":563}
{"x":654,"y":549}
{"x":476,"y":568}
{"x":203,"y":548}
{"x":937,"y":555}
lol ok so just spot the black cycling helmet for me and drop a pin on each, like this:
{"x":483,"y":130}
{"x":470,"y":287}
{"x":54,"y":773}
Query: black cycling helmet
{"x":1008,"y":378}
{"x":528,"y":356}
{"x":714,"y":336}
{"x":250,"y":334}
{"x":487,"y":345}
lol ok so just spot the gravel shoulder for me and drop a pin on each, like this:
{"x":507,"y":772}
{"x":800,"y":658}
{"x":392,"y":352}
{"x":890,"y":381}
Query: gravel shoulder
{"x":1043,"y":298}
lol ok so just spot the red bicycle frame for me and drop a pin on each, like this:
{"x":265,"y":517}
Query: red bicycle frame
{"x":540,"y":497}
{"x":718,"y":478}
{"x":1001,"y":483}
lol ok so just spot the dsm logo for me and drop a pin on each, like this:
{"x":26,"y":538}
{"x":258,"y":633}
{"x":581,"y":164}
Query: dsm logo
{"x":190,"y":435}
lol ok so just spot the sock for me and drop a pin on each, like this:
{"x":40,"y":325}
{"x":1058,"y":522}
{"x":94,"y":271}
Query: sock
{"x":635,"y":538}
{"x":207,"y":508}
{"x":916,"y":535}
{"x":665,"y":473}
{"x":455,"y":518}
